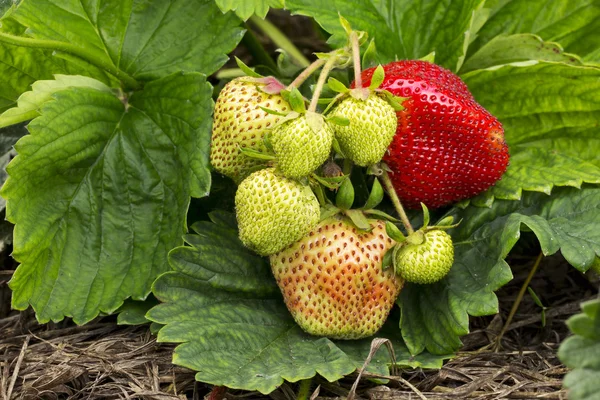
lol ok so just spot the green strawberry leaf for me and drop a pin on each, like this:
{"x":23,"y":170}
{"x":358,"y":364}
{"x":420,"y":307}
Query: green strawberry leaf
{"x":224,"y":307}
{"x":148,"y":41}
{"x":21,"y":66}
{"x":96,"y":218}
{"x":133,"y":312}
{"x":29,"y":103}
{"x":435,"y":316}
{"x":515,"y":48}
{"x":550,"y":113}
{"x":247,"y":8}
{"x":580,"y":353}
{"x":572,"y":23}
{"x":403,"y":29}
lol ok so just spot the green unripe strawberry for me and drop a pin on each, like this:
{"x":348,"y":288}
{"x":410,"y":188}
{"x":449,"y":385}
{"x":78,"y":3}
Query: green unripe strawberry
{"x":372,"y":127}
{"x":302,"y":144}
{"x":425,"y":257}
{"x":273,"y":211}
{"x":239,"y":121}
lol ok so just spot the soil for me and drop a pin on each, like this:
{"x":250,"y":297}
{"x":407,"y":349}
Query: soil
{"x":102,"y":360}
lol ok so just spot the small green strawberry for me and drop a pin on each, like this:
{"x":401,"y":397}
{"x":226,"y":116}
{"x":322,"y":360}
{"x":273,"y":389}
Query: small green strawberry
{"x":371,"y":129}
{"x":425,"y":257}
{"x":333,"y":282}
{"x":273,"y":211}
{"x":239,"y":121}
{"x":302,"y":144}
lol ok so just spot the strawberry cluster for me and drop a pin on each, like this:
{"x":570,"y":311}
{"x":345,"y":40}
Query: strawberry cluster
{"x":414,"y":125}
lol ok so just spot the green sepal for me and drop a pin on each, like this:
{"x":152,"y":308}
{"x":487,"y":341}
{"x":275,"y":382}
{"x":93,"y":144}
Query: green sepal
{"x":381,"y":215}
{"x":246,"y":69}
{"x":429,"y":57}
{"x":417,"y":237}
{"x":388,"y":259}
{"x":328,"y":211}
{"x":319,"y":193}
{"x":370,"y":57}
{"x":296,"y":101}
{"x":333,"y":182}
{"x":267,"y":141}
{"x":446,"y":221}
{"x":259,"y":155}
{"x":377,"y":78}
{"x":425,"y":215}
{"x":395,"y":101}
{"x":345,"y":195}
{"x":337,"y":120}
{"x":360,"y":93}
{"x":335,"y":145}
{"x":273,"y":112}
{"x":345,"y":24}
{"x":358,"y":219}
{"x":396,"y":249}
{"x":375,"y":197}
{"x":393,"y":232}
{"x":336,"y":85}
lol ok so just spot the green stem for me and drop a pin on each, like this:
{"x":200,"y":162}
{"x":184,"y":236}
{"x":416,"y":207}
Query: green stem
{"x":306,"y":73}
{"x":280,"y":40}
{"x":321,"y":82}
{"x":304,"y":389}
{"x":91,"y":57}
{"x":356,"y":59}
{"x":518,"y":300}
{"x":387,"y":183}
{"x":228,"y":73}
{"x":258,"y":51}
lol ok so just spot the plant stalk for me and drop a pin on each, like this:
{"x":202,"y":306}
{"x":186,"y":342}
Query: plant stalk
{"x":518,"y":300}
{"x":77,"y":51}
{"x":304,"y":389}
{"x":306,"y":73}
{"x":387,"y":183}
{"x":257,"y":50}
{"x":321,"y":82}
{"x":356,"y":60}
{"x":280,"y":40}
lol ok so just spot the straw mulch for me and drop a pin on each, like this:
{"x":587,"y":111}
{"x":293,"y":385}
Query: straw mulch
{"x":102,"y":360}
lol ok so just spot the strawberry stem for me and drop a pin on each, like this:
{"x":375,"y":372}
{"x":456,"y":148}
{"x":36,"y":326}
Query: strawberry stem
{"x":321,"y":82}
{"x":515,"y":306}
{"x":356,"y":60}
{"x":387,"y":183}
{"x":280,"y":39}
{"x":306,"y":73}
{"x":304,"y":389}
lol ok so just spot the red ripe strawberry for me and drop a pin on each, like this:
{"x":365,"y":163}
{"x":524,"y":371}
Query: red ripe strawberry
{"x":447,"y":147}
{"x":333,"y":282}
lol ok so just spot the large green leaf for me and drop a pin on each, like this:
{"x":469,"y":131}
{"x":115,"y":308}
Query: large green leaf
{"x":221,"y":302}
{"x":549,"y":111}
{"x":403,"y":29}
{"x":100,"y":190}
{"x":575,"y":24}
{"x":435,"y":316}
{"x":505,"y":49}
{"x":581,"y":353}
{"x":29,"y":103}
{"x":246,"y":8}
{"x":147,"y":40}
{"x":21,"y":66}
